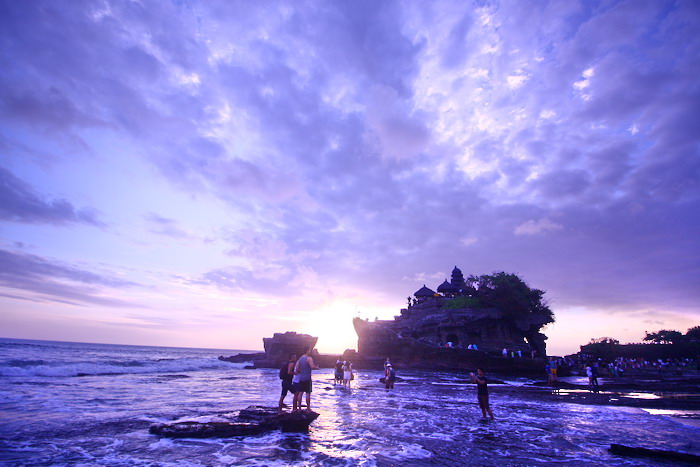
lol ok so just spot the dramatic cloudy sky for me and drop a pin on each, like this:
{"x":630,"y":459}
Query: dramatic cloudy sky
{"x":208,"y":173}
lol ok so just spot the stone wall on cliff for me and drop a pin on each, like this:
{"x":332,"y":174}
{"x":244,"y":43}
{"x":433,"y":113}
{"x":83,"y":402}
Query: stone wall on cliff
{"x":429,"y":324}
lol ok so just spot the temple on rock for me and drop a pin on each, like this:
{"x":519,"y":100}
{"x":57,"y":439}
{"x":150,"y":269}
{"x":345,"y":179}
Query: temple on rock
{"x":462,"y":314}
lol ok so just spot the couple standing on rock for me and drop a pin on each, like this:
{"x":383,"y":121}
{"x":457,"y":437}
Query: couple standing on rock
{"x":297,"y":379}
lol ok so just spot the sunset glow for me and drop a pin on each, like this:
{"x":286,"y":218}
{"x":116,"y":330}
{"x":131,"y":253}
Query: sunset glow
{"x":206,"y":174}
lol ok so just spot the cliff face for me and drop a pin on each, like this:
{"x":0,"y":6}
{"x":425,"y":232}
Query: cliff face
{"x":428,"y":325}
{"x":277,"y":350}
{"x":280,"y":345}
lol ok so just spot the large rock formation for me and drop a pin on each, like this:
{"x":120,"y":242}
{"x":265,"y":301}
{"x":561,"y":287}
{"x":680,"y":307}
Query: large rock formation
{"x":442,"y":329}
{"x":280,"y":345}
{"x":277,"y":350}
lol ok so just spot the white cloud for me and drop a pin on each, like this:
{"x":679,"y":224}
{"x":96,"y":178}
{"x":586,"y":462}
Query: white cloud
{"x":467,"y":241}
{"x":516,"y":80}
{"x":534,"y":227}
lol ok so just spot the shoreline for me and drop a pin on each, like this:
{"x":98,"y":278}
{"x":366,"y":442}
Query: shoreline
{"x":680,"y":393}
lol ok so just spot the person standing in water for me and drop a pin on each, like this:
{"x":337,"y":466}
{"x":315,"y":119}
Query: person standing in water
{"x":302,"y":379}
{"x":338,"y":372}
{"x":286,"y":375}
{"x":347,"y":374}
{"x":389,"y":376}
{"x":482,"y":392}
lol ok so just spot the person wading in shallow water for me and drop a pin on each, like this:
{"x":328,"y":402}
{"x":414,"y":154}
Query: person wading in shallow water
{"x":302,"y":380}
{"x":482,"y":392}
{"x":389,"y":377}
{"x":286,"y":375}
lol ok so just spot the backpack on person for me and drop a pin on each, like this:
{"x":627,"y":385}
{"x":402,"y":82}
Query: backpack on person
{"x":284,"y":370}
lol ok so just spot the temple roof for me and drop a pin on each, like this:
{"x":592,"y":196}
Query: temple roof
{"x":424,"y":292}
{"x":446,"y":287}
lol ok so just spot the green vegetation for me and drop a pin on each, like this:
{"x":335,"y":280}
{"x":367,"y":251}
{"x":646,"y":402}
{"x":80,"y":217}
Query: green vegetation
{"x":463,"y":302}
{"x":508,"y":293}
{"x":660,"y":344}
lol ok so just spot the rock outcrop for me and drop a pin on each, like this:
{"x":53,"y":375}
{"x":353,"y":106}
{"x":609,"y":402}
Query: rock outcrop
{"x":251,"y":421}
{"x":464,"y":325}
{"x":430,"y":324}
{"x":277,"y":350}
{"x":280,"y":345}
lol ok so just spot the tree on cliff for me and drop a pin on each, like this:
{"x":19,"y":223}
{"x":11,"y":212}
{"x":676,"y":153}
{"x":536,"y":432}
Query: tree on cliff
{"x":510,"y":294}
{"x":605,"y":347}
{"x":693,"y":334}
{"x":664,"y":337}
{"x":525,"y":306}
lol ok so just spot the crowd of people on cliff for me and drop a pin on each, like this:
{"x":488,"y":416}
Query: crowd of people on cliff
{"x":593,"y":367}
{"x":618,"y":366}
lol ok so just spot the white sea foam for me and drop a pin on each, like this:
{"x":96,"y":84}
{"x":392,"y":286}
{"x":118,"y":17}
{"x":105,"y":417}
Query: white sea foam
{"x":408,"y":451}
{"x":178,"y":365}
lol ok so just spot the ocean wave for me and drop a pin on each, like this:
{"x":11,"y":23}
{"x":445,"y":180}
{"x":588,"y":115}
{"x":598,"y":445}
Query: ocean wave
{"x":20,"y":368}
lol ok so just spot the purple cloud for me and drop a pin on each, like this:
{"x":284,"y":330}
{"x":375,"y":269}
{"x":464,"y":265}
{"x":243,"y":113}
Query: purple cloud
{"x":56,"y":282}
{"x":19,"y":203}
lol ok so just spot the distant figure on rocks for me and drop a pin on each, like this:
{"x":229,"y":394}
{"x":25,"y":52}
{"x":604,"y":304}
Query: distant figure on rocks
{"x":505,"y":352}
{"x":482,"y":392}
{"x":550,"y":376}
{"x":286,"y":375}
{"x":594,"y":374}
{"x":389,"y":377}
{"x":338,"y":372}
{"x":553,"y":366}
{"x":302,"y":379}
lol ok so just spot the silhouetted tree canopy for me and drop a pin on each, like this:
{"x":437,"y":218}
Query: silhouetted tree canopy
{"x":693,"y":334}
{"x":605,"y":340}
{"x":664,"y":337}
{"x":602,"y":347}
{"x":510,"y":294}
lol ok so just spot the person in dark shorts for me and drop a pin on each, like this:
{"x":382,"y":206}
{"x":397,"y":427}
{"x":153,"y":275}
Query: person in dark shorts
{"x":302,"y":379}
{"x":286,"y":375}
{"x":482,"y":392}
{"x":338,"y":376}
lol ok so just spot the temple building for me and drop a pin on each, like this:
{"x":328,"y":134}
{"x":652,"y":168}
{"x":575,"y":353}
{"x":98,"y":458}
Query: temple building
{"x":450,"y":318}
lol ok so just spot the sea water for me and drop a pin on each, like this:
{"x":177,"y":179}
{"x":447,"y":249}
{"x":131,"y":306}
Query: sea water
{"x":92,"y":404}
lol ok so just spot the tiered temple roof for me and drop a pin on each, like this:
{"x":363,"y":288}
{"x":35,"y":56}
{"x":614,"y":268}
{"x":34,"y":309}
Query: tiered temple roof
{"x":457,"y":279}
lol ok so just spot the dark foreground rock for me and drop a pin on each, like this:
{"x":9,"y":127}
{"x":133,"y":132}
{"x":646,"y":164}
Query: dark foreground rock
{"x":251,"y":421}
{"x":632,"y":451}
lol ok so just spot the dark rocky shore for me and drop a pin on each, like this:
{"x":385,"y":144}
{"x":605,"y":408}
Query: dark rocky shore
{"x":642,"y":391}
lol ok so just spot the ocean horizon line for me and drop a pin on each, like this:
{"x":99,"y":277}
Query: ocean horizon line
{"x":129,"y":345}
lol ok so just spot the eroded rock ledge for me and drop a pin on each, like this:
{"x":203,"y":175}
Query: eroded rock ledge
{"x":251,"y":421}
